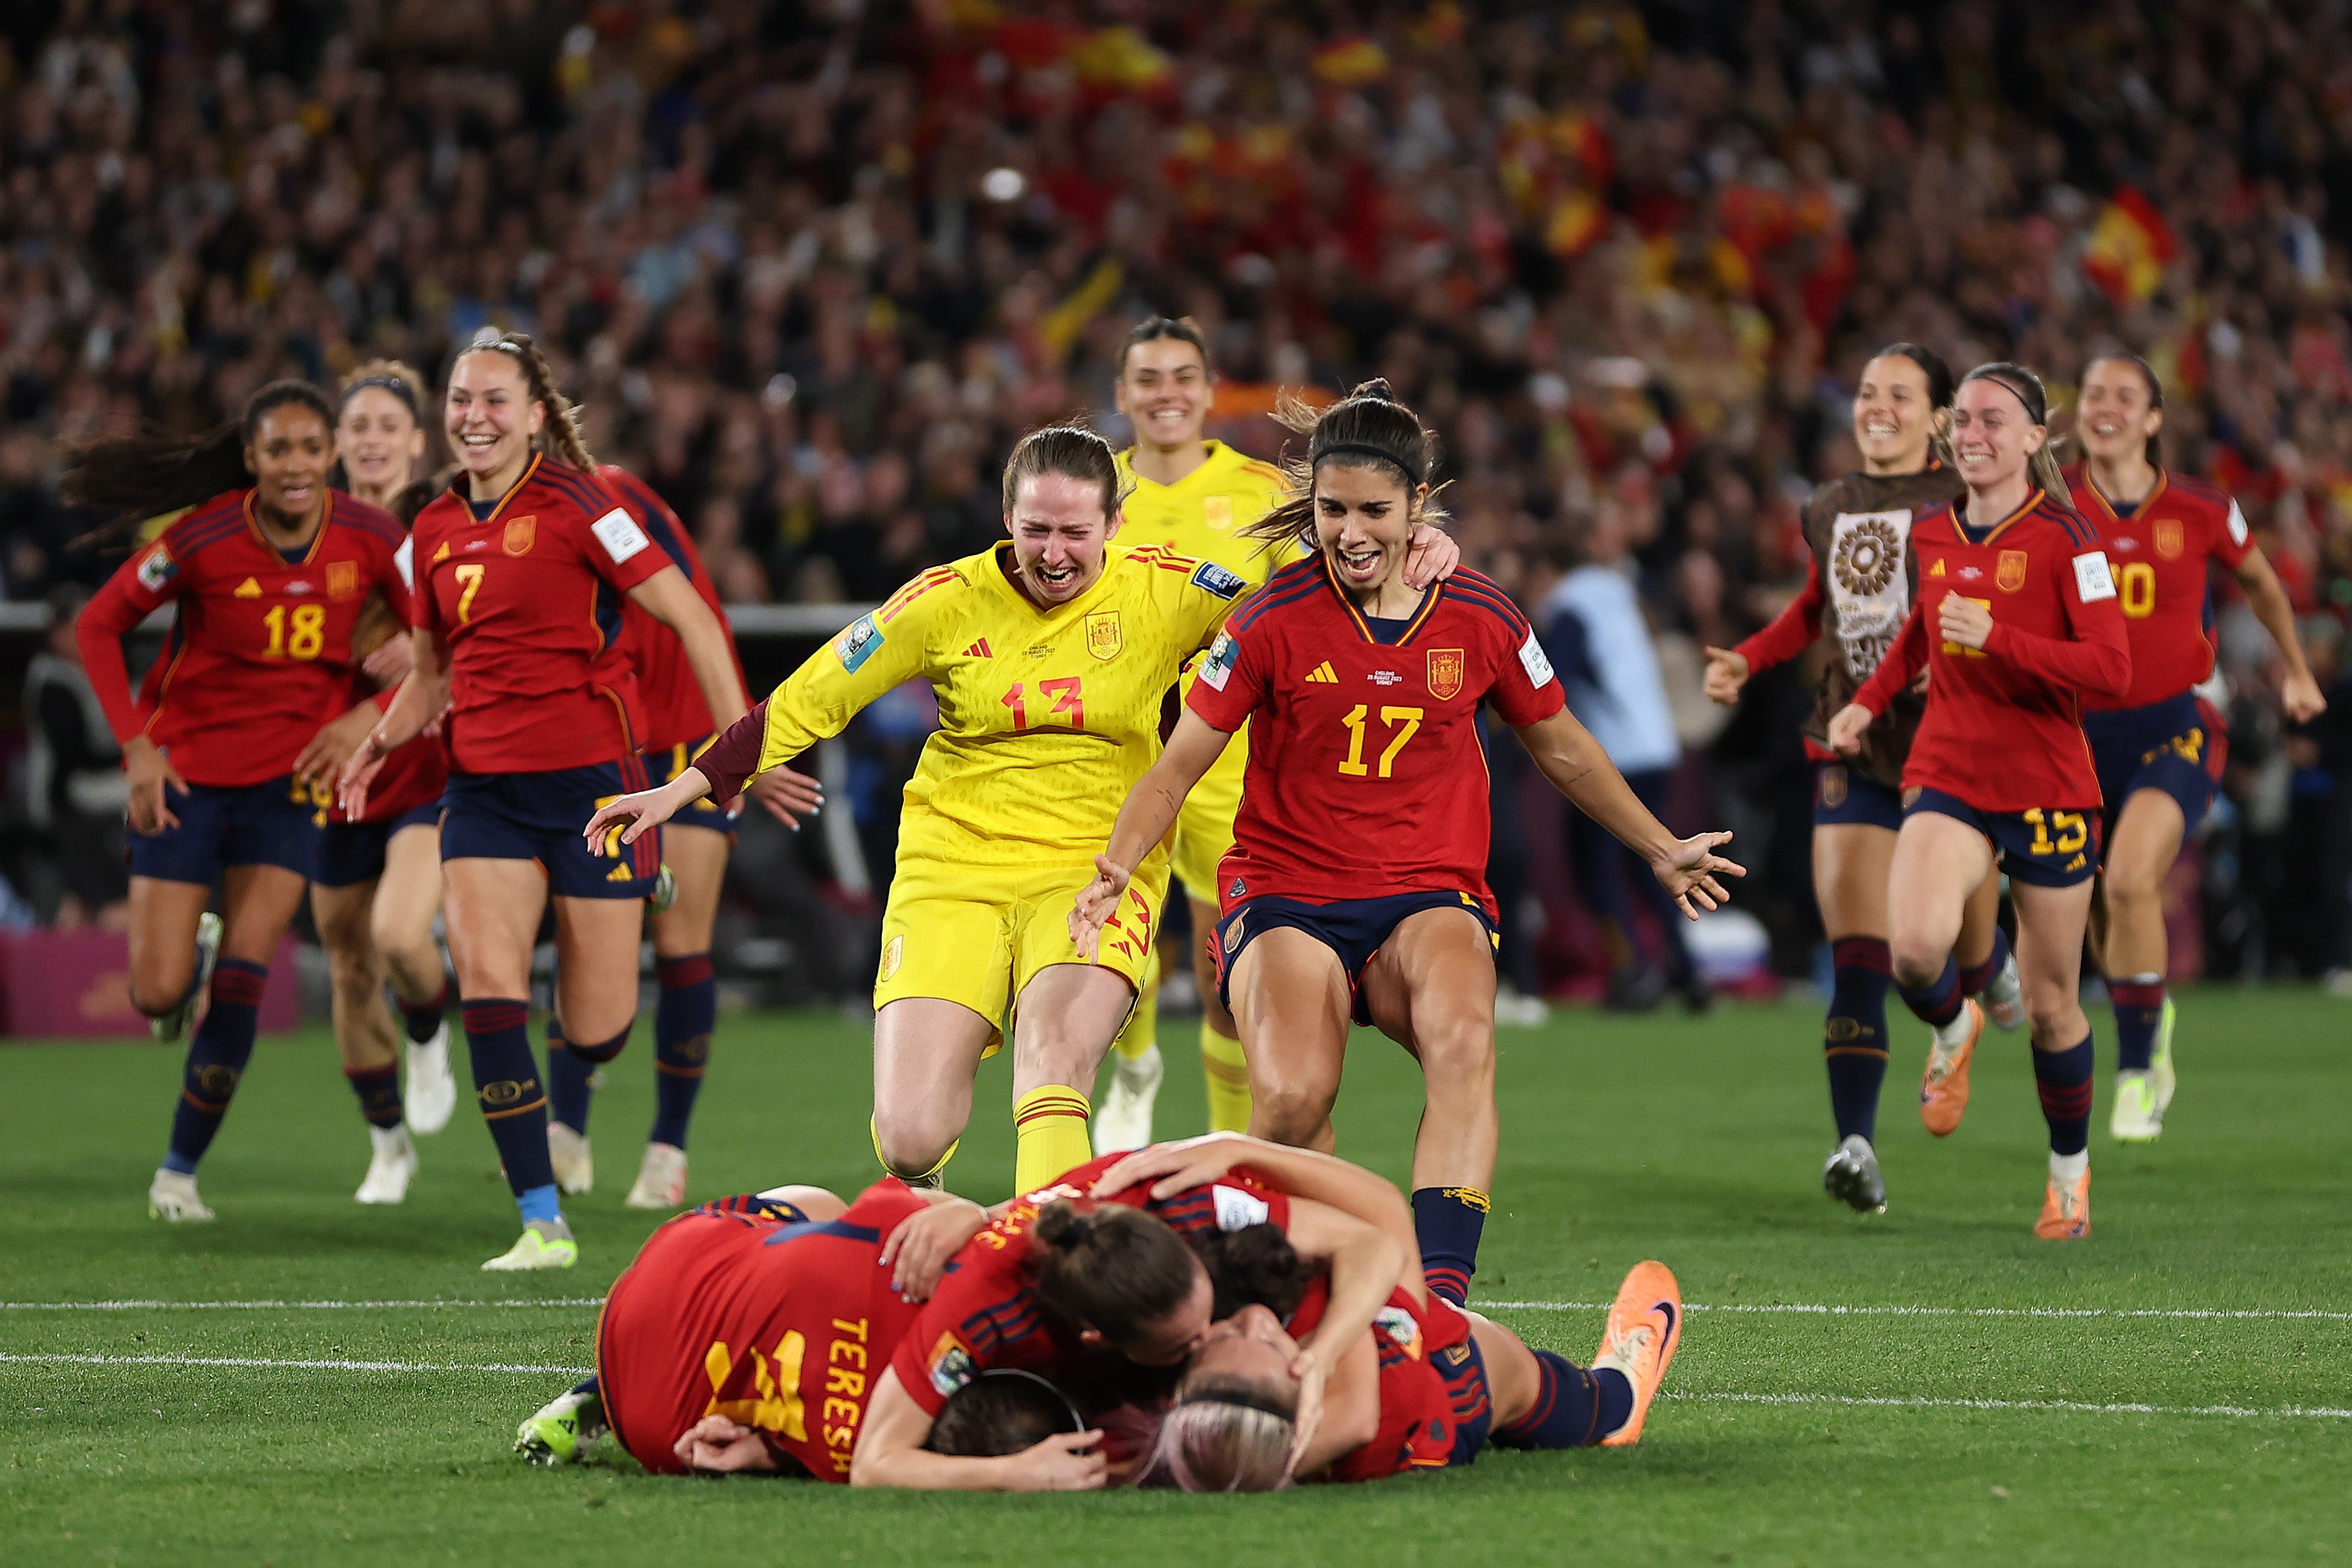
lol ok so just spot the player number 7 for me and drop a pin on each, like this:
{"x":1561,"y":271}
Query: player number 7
{"x":469,"y":578}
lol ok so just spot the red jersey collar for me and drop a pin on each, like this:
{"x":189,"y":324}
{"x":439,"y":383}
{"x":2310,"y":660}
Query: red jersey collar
{"x":1998,"y":529}
{"x":514,"y":490}
{"x":310,"y":554}
{"x":2108,"y":507}
{"x":1428,"y":599}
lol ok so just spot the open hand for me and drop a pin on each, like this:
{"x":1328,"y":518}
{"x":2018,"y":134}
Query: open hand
{"x":635,"y":816}
{"x":918,"y":1250}
{"x":1097,"y":901}
{"x":321,"y":762}
{"x":1431,"y":555}
{"x":152,"y":778}
{"x":1064,"y":1462}
{"x":1689,"y":869}
{"x":1174,"y":1167}
{"x":790,"y":798}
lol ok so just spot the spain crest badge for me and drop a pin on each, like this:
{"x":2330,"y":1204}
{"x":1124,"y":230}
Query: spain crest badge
{"x":342,"y":578}
{"x":1103,"y":638}
{"x":522,"y":533}
{"x":2009,"y":574}
{"x":1445,"y":669}
{"x":2171,"y":538}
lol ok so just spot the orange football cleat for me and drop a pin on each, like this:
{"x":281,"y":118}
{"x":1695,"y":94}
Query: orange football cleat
{"x":1645,"y":1324}
{"x":2066,"y":1209}
{"x":1943,"y":1091}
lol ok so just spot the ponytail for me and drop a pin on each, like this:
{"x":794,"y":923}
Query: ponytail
{"x":139,"y":477}
{"x":1110,"y":1268}
{"x":562,"y":429}
{"x":1367,"y":428}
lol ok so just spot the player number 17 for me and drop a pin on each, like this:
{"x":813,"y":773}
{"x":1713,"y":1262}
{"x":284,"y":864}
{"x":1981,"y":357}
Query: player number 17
{"x":1354,"y":768}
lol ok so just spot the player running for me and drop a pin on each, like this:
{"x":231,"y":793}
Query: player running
{"x":1195,"y":496}
{"x":375,"y":885}
{"x":269,"y":579}
{"x":2158,"y":746}
{"x":1859,"y":590}
{"x":1356,"y":887}
{"x":2026,"y":621}
{"x":522,"y":569}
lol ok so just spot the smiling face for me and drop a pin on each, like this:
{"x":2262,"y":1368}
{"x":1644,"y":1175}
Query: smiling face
{"x":1250,"y":1347}
{"x":1059,"y":534}
{"x":1164,"y":389}
{"x":492,"y":417}
{"x":1992,"y":435}
{"x":289,"y":454}
{"x":1363,"y":520}
{"x":1894,"y":416}
{"x":2118,"y":416}
{"x":378,"y":440}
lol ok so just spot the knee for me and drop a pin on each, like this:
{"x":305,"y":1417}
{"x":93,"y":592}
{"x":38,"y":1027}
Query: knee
{"x":2053,"y":1013}
{"x":353,"y":975}
{"x":1918,"y":965}
{"x":1289,"y":1109}
{"x":603,"y":1050}
{"x":911,"y":1141}
{"x":2131,"y":890}
{"x":1456,"y":1054}
{"x":1055,"y":1055}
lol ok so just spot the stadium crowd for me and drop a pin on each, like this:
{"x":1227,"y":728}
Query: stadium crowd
{"x":812,"y":269}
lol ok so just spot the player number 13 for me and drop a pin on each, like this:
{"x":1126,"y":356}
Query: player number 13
{"x":1408,"y":718}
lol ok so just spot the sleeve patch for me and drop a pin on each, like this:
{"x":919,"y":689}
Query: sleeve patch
{"x":618,"y":532}
{"x":1532,"y":660}
{"x":1218,"y":668}
{"x":158,"y":569}
{"x":404,"y":558}
{"x":856,"y":642}
{"x":951,"y":1366}
{"x":1238,"y":1210}
{"x":2092,"y":581}
{"x":2237,"y":525}
{"x":1216,"y":580}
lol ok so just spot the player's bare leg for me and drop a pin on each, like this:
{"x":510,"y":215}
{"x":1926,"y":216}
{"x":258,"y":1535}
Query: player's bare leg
{"x":2049,"y":922}
{"x":1290,"y":998}
{"x":686,"y":1013}
{"x":365,"y":1034}
{"x":2131,"y":944}
{"x":164,"y":917}
{"x":1223,"y":1060}
{"x":1938,"y":862}
{"x":408,"y":897}
{"x":1063,"y":1024}
{"x":925,"y":1050}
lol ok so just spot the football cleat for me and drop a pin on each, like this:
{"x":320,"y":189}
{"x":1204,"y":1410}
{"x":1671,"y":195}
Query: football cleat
{"x":661,"y":1179}
{"x":563,"y":1430}
{"x":172,"y":1198}
{"x":1645,"y":1325}
{"x":575,"y":1167}
{"x":1851,"y":1176}
{"x":1123,"y":1121}
{"x":544,"y":1244}
{"x":665,"y":891}
{"x":1943,"y":1089}
{"x":432,"y":1091}
{"x":2004,"y":997}
{"x":2066,"y":1209}
{"x":2135,"y":1119}
{"x":391,"y":1169}
{"x":172,"y":1027}
{"x":2159,"y":1065}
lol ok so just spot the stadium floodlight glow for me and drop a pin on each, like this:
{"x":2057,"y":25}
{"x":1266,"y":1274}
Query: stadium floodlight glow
{"x":1003,"y":185}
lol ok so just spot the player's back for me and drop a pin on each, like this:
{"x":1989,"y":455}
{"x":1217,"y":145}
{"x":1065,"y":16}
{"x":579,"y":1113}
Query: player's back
{"x":1416,"y":1345}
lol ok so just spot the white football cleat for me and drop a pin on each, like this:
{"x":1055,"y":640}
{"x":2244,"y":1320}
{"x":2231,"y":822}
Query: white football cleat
{"x":661,"y":1180}
{"x":576,"y":1168}
{"x":173,"y":1026}
{"x":391,"y":1169}
{"x":2161,"y":1081}
{"x":544,"y":1244}
{"x":432,"y":1091}
{"x":172,"y":1198}
{"x":2004,"y":997}
{"x":1123,"y":1121}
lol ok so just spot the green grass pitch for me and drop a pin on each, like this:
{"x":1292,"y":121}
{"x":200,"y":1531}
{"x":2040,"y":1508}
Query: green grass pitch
{"x":1967,"y":1418}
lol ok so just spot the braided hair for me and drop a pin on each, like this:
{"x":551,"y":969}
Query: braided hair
{"x":562,"y":432}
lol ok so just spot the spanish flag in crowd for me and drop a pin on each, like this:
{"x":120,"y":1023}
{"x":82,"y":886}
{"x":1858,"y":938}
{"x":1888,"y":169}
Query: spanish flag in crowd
{"x":1350,"y":62}
{"x":2129,"y":247}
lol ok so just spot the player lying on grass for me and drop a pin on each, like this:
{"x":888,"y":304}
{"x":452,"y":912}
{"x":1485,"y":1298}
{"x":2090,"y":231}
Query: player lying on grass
{"x":1050,"y":655}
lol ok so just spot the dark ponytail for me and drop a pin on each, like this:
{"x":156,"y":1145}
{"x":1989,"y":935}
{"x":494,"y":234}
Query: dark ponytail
{"x":139,"y":477}
{"x":2027,"y":387}
{"x":2155,"y":393}
{"x":1369,"y":428}
{"x":1110,"y":1268}
{"x":1931,"y":365}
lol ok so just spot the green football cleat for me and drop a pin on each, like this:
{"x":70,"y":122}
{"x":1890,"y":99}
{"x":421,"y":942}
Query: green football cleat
{"x":544,"y":1244}
{"x":172,"y":1027}
{"x":665,"y":891}
{"x":563,"y":1430}
{"x":2160,"y":1081}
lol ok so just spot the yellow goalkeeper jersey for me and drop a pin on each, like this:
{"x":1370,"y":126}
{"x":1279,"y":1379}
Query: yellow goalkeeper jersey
{"x":1046,"y":719}
{"x":1203,"y":514}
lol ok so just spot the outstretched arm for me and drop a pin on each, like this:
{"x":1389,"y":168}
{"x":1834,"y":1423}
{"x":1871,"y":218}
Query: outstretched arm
{"x":2266,"y":597}
{"x":671,"y":599}
{"x":1573,"y":761}
{"x":1143,"y":821}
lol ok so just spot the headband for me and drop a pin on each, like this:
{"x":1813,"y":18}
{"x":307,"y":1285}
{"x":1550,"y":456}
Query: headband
{"x":2017,"y":389}
{"x":391,"y":383}
{"x":1019,"y":1374}
{"x":1365,"y":450}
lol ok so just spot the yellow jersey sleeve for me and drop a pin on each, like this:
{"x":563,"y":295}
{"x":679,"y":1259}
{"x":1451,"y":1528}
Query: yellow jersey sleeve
{"x":875,"y":653}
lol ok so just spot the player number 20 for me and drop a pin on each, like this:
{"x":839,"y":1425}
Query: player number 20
{"x":2072,"y":831}
{"x":309,"y":632}
{"x":1404,"y":721}
{"x":2135,"y":587}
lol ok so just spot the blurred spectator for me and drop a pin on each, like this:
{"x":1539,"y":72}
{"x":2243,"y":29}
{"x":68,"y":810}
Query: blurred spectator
{"x":73,"y":791}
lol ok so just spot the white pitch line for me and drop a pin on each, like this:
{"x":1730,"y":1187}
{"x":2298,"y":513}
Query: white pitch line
{"x":2063,"y":1406}
{"x":1817,"y":1310}
{"x":298,"y":1365}
{"x":279,"y":1306}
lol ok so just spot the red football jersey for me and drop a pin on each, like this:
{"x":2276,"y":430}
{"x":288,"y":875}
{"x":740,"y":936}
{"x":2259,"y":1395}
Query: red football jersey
{"x":2003,"y":729}
{"x":528,"y":601}
{"x":785,"y":1328}
{"x":2161,"y":555}
{"x":676,"y":712}
{"x":415,"y":774}
{"x":1365,"y":776}
{"x":260,"y":656}
{"x":985,"y":1316}
{"x":1417,"y":1344}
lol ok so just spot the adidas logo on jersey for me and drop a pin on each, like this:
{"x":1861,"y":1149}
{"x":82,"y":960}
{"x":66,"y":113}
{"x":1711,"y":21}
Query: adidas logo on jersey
{"x":248,"y":589}
{"x":1937,"y":570}
{"x":620,"y":874}
{"x":1321,"y":675}
{"x":980,"y":650}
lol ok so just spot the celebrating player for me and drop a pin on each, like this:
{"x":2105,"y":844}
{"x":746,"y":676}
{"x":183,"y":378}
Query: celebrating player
{"x":2026,"y":620}
{"x":521,"y":571}
{"x":375,"y":885}
{"x":1859,"y":590}
{"x":2158,"y":746}
{"x":1356,"y":886}
{"x":1195,"y":496}
{"x":270,"y":578}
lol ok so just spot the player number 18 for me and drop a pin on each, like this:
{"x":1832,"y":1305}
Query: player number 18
{"x":309,"y":632}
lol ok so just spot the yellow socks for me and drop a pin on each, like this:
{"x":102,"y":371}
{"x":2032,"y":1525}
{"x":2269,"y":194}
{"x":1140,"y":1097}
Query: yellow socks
{"x":1227,"y":1071}
{"x":1142,"y":1031}
{"x":1049,"y":1126}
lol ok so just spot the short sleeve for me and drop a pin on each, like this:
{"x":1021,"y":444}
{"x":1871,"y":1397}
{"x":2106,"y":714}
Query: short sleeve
{"x":2233,"y":541}
{"x":1526,"y":689}
{"x":617,"y":547}
{"x":1231,"y":679}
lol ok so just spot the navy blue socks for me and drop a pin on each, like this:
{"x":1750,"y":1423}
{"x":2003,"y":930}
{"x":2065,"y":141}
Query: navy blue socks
{"x":683,"y":1022}
{"x":1853,"y":1040}
{"x":217,"y":1053}
{"x":568,"y":1090}
{"x":1574,"y":1408}
{"x":1448,"y":1222}
{"x":379,"y":1092}
{"x":1938,"y":1004}
{"x":2139,"y":1008}
{"x":2063,"y":1079}
{"x":514,"y":1103}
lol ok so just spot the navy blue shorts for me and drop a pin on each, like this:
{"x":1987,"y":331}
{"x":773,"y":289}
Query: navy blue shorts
{"x":350,"y":853}
{"x":1463,"y":1368}
{"x":275,"y":823}
{"x":664,"y":765}
{"x":2177,"y":746}
{"x":538,"y":816}
{"x":1355,"y":929}
{"x":1847,"y":795}
{"x":2046,"y":849}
